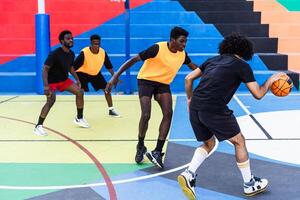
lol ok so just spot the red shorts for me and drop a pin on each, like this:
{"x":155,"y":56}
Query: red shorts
{"x":60,"y":86}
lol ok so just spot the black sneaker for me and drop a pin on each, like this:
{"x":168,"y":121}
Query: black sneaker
{"x":156,"y":158}
{"x":139,"y":156}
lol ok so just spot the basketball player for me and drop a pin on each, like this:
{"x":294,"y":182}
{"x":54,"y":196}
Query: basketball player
{"x":161,"y":63}
{"x":89,"y":64}
{"x":210,"y":117}
{"x":55,"y":76}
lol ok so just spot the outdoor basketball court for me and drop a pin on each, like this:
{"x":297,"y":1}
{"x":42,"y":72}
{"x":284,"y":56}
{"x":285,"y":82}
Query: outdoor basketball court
{"x":98,"y":163}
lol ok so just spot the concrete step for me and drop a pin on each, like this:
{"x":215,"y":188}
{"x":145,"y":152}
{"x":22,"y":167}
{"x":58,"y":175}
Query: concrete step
{"x":218,"y":6}
{"x":136,"y":17}
{"x":117,"y":45}
{"x":27,"y":63}
{"x":250,"y":30}
{"x":289,"y":45}
{"x":26,"y":82}
{"x":270,"y":17}
{"x":223,"y":17}
{"x":113,"y":30}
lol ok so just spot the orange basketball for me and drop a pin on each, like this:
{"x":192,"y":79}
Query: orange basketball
{"x":282,"y":86}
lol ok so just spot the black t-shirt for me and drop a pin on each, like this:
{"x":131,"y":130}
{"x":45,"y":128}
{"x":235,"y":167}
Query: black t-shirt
{"x":80,"y":59}
{"x":152,"y":51}
{"x":60,"y":63}
{"x":221,"y":77}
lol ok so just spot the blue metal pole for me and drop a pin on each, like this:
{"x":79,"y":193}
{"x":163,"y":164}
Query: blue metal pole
{"x":128,"y":89}
{"x":42,"y":44}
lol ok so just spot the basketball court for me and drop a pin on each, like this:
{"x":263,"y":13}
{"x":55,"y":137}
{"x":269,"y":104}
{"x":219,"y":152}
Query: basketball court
{"x":98,"y":162}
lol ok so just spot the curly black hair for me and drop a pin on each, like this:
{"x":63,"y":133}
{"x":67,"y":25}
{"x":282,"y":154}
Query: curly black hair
{"x":237,"y":44}
{"x":62,"y":35}
{"x":177,"y":31}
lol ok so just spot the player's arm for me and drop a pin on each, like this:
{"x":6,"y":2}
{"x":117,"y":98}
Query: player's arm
{"x":189,"y":63}
{"x":72,"y":71}
{"x":151,"y":52}
{"x":189,"y":80}
{"x":108,"y":65}
{"x":260,"y":91}
{"x":79,"y":61}
{"x":45,"y":79}
{"x":114,"y":79}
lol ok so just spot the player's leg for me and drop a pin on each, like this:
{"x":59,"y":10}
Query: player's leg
{"x":98,"y":82}
{"x":252,"y":185}
{"x":187,"y":178}
{"x":146,"y":90}
{"x":39,"y":130}
{"x":165,"y":102}
{"x":78,"y":92}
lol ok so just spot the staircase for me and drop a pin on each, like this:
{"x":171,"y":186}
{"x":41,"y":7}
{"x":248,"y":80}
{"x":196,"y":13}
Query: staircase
{"x":239,"y":16}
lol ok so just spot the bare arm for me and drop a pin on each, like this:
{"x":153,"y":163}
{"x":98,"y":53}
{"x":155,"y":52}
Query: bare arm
{"x":72,"y":71}
{"x":45,"y":80}
{"x":114,"y":79}
{"x":260,"y":91}
{"x":189,"y":80}
{"x":192,"y":66}
{"x":111,"y":71}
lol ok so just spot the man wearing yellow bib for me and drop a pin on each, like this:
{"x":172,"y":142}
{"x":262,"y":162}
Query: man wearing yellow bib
{"x":89,"y":64}
{"x":161,"y":64}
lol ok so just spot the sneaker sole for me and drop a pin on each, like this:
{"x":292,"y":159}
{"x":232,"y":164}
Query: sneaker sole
{"x":153,"y":160}
{"x":39,"y":134}
{"x":82,"y":126}
{"x":114,"y":116}
{"x":256,"y":192}
{"x":185,"y":189}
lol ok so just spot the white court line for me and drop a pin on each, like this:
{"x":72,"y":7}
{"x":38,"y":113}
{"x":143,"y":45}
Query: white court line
{"x":93,"y":184}
{"x":58,"y":187}
{"x":241,"y":105}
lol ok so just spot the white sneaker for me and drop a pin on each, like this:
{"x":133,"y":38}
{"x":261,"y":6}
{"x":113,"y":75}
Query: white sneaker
{"x":81,"y":122}
{"x":255,"y":186}
{"x":113,"y":113}
{"x":187,"y":182}
{"x":39,"y":130}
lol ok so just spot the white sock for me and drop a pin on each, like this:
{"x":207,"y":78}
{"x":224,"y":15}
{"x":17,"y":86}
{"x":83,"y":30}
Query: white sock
{"x":245,"y":170}
{"x":110,"y":108}
{"x":199,"y":156}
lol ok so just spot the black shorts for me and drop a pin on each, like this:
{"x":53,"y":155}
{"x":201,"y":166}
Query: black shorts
{"x":97,"y":81}
{"x":205,"y":124}
{"x":149,"y":88}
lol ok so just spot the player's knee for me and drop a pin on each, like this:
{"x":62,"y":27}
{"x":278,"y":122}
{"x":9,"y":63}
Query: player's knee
{"x":168,"y":114}
{"x":145,"y":116}
{"x":51,"y":101}
{"x":80,"y":93}
{"x":210,"y":144}
{"x":238,"y":140}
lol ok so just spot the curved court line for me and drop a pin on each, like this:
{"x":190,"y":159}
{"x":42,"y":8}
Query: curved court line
{"x":92,"y":184}
{"x":103,"y":183}
{"x":111,"y":190}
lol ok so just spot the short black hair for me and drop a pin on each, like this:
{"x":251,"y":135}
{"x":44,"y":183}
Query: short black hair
{"x":237,"y":44}
{"x":95,"y":37}
{"x":62,"y":35}
{"x":177,"y":31}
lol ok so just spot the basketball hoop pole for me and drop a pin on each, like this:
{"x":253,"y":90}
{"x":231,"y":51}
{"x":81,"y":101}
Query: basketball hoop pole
{"x":42,"y":43}
{"x":127,"y":45}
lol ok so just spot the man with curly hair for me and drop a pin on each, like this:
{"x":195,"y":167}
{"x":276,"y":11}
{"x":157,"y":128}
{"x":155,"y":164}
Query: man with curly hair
{"x":210,"y":117}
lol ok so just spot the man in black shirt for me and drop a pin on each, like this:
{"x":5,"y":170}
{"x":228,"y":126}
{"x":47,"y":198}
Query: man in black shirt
{"x":161,"y":64}
{"x":88,"y":67}
{"x":55,"y":76}
{"x":211,"y":118}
